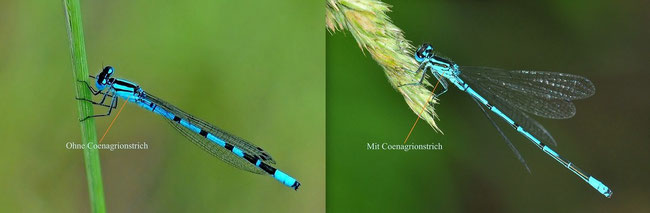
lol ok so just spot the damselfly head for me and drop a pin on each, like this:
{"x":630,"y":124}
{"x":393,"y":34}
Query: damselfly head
{"x":424,"y":51}
{"x":104,"y":77}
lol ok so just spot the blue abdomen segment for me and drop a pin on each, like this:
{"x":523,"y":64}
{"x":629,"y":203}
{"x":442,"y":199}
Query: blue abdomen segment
{"x":286,"y":179}
{"x":600,"y":186}
{"x":280,"y":176}
{"x":185,"y":123}
{"x":216,"y":140}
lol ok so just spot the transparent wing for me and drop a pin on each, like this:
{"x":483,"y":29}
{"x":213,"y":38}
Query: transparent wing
{"x":512,"y":146}
{"x":211,"y":147}
{"x":545,"y":94}
{"x":217,"y":150}
{"x":519,"y":117}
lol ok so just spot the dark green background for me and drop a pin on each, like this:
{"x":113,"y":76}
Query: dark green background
{"x":254,"y":68}
{"x":603,"y":41}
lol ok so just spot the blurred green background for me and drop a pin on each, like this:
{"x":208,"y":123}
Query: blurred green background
{"x":254,"y":68}
{"x":606,"y":41}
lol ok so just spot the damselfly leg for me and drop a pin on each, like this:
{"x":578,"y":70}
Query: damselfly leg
{"x":101,"y":103}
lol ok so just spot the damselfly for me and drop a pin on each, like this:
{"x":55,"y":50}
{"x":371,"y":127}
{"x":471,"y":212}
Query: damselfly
{"x":228,"y":147}
{"x":510,"y":94}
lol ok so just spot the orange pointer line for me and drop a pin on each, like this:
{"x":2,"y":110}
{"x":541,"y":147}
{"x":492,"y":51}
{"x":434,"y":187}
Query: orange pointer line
{"x":115,"y":118}
{"x":425,"y":106}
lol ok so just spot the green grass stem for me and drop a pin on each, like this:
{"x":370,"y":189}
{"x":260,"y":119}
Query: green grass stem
{"x":88,"y":130}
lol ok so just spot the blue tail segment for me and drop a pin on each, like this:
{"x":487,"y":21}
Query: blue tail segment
{"x":228,"y":147}
{"x":510,"y":94}
{"x":600,"y":187}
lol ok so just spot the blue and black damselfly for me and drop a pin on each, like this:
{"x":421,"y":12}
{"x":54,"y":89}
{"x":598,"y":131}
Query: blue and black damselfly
{"x":511,"y":94}
{"x":228,"y":147}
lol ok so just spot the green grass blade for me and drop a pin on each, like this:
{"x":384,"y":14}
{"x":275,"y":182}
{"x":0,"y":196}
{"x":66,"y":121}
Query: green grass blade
{"x":88,"y":130}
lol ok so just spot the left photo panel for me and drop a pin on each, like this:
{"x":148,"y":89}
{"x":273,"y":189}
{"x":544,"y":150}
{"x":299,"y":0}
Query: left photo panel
{"x":134,"y":106}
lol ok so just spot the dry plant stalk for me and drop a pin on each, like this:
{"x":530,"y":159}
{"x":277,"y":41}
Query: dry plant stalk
{"x":373,"y":30}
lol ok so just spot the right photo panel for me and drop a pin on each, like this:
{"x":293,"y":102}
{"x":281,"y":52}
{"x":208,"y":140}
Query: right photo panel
{"x":486,"y":106}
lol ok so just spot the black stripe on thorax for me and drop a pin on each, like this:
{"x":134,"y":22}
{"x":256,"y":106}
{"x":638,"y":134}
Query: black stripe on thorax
{"x":443,"y":60}
{"x":124,"y":83}
{"x":122,"y":90}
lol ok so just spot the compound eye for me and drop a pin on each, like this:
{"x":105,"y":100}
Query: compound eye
{"x":423,"y":52}
{"x":108,"y":70}
{"x":428,"y":50}
{"x":102,"y":78}
{"x":418,"y":56}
